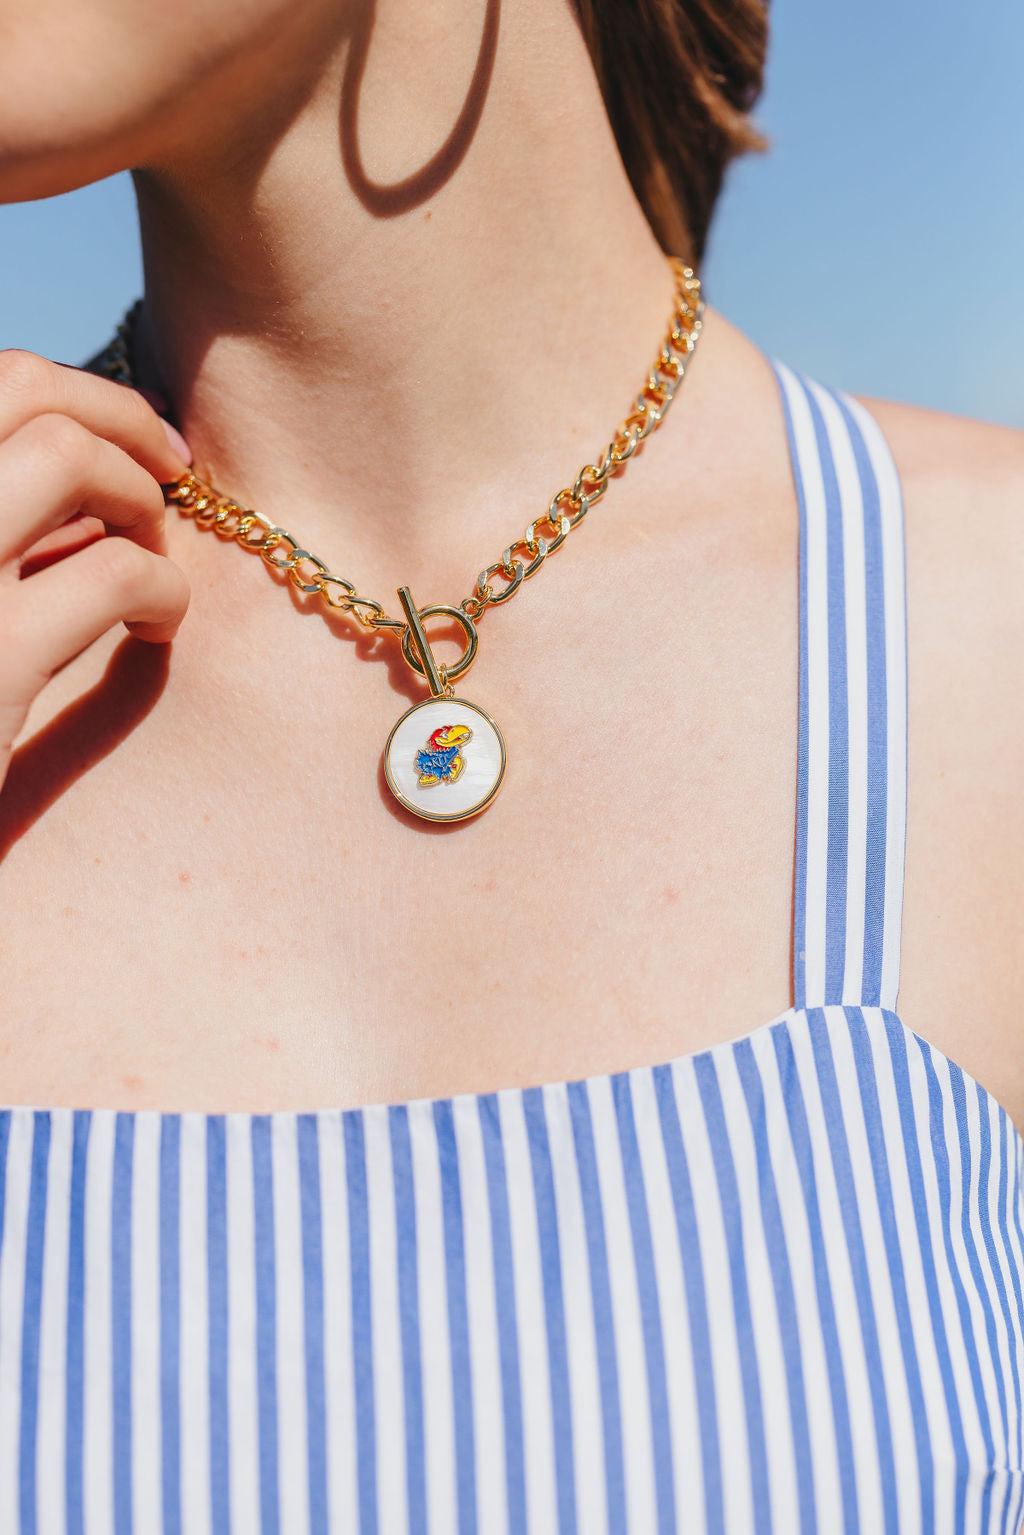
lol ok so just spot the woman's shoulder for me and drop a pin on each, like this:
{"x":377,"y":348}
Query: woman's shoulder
{"x":942,"y":451}
{"x":963,"y":495}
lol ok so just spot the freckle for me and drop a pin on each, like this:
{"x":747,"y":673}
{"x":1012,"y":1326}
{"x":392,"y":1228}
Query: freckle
{"x":242,"y":953}
{"x":427,"y":214}
{"x":68,"y":911}
{"x":97,"y":860}
{"x":205,"y":816}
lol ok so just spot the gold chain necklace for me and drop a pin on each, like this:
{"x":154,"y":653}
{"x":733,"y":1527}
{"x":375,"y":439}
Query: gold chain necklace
{"x":430,"y":765}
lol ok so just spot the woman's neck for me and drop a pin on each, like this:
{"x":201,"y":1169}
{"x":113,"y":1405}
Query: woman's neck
{"x":393,"y":370}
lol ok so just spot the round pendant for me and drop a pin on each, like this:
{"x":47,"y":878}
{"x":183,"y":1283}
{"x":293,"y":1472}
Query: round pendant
{"x":445,"y":759}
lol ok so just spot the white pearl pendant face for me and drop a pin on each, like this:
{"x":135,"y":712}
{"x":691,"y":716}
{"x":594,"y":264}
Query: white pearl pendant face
{"x":445,"y":759}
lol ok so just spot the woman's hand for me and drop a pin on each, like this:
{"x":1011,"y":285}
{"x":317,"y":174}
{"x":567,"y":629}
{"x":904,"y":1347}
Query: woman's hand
{"x":80,"y":457}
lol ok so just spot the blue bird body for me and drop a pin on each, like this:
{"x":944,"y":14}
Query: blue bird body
{"x":437,"y":764}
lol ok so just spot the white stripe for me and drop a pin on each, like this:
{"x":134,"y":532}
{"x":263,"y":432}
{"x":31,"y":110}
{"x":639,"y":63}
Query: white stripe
{"x":961,"y":1197}
{"x":385,"y":1321}
{"x":584,"y":1381}
{"x":51,"y":1439}
{"x":538,"y":1432}
{"x":893,"y":556}
{"x":1009,"y":1257}
{"x":855,"y":606}
{"x":339,"y":1383}
{"x":995,"y":1363}
{"x":634,"y":1394}
{"x":1001,"y":1287}
{"x":939,"y":1431}
{"x":952,"y":1331}
{"x":841,"y":1281}
{"x":488,"y":1416}
{"x":12,"y":1297}
{"x":147,"y":1504}
{"x":684,"y":1422}
{"x":768,"y":1344}
{"x":1010,"y":1223}
{"x":97,"y":1399}
{"x":195,"y":1321}
{"x":795,"y":1218}
{"x":243,"y":1434}
{"x":808,"y":467}
{"x":292,"y":1434}
{"x":882,"y":1296}
{"x":438,"y":1401}
{"x":730,"y":1401}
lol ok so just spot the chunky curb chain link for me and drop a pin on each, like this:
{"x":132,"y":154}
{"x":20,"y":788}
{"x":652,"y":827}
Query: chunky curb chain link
{"x":521,"y":559}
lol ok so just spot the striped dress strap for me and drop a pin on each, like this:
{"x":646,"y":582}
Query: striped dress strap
{"x":852,"y":765}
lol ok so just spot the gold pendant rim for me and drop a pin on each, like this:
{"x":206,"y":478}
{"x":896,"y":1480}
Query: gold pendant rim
{"x":435,"y":815}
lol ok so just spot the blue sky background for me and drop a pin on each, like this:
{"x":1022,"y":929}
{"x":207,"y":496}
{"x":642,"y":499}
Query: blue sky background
{"x":879,"y":245}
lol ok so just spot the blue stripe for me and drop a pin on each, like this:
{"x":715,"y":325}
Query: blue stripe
{"x":409,"y":1314}
{"x":505,"y":1309}
{"x":458,"y":1316}
{"x":1017,"y":1325}
{"x":867,"y":1078}
{"x":985,"y":1176}
{"x":688,"y":1235}
{"x":729,"y":1196}
{"x":782,"y":1281}
{"x":803,"y":731}
{"x":75,"y":1337}
{"x":30,"y":1316}
{"x":838,"y":722}
{"x":942,"y":1175}
{"x":362,"y":1319}
{"x":121,"y":1312}
{"x":313,"y":1316}
{"x":803,"y":1152}
{"x":217,"y":1303}
{"x":919,"y":1200}
{"x":650,"y":1317}
{"x":601,"y":1300}
{"x":266,"y":1320}
{"x":946,"y":1202}
{"x":554,"y":1305}
{"x":976,"y":1181}
{"x":877,"y":718}
{"x":1012,"y":1219}
{"x":170,"y":1319}
{"x":849,"y":1208}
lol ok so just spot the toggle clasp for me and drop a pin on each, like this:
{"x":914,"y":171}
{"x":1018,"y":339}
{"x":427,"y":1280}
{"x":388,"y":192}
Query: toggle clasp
{"x":416,"y":648}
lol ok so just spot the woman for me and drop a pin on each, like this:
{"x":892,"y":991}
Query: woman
{"x":718,"y":1274}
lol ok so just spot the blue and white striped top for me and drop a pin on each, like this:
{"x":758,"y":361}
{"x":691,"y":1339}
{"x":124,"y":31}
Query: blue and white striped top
{"x":768,"y":1288}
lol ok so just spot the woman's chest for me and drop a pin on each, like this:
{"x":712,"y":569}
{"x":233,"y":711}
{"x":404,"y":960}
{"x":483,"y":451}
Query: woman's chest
{"x":224,"y":906}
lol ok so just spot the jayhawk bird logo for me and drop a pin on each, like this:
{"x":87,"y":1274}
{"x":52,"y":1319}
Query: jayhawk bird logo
{"x":441,"y":760}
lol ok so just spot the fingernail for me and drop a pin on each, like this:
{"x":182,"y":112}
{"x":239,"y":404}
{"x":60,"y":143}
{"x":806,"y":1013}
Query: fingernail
{"x":177,"y":441}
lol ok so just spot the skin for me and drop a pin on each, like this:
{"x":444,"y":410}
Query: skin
{"x":210,"y":901}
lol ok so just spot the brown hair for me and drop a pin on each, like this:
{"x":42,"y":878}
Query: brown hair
{"x":679,"y":78}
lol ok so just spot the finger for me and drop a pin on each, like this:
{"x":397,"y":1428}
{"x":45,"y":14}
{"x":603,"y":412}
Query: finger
{"x":53,"y":467}
{"x":71,"y":535}
{"x":31,"y":386}
{"x":47,"y":619}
